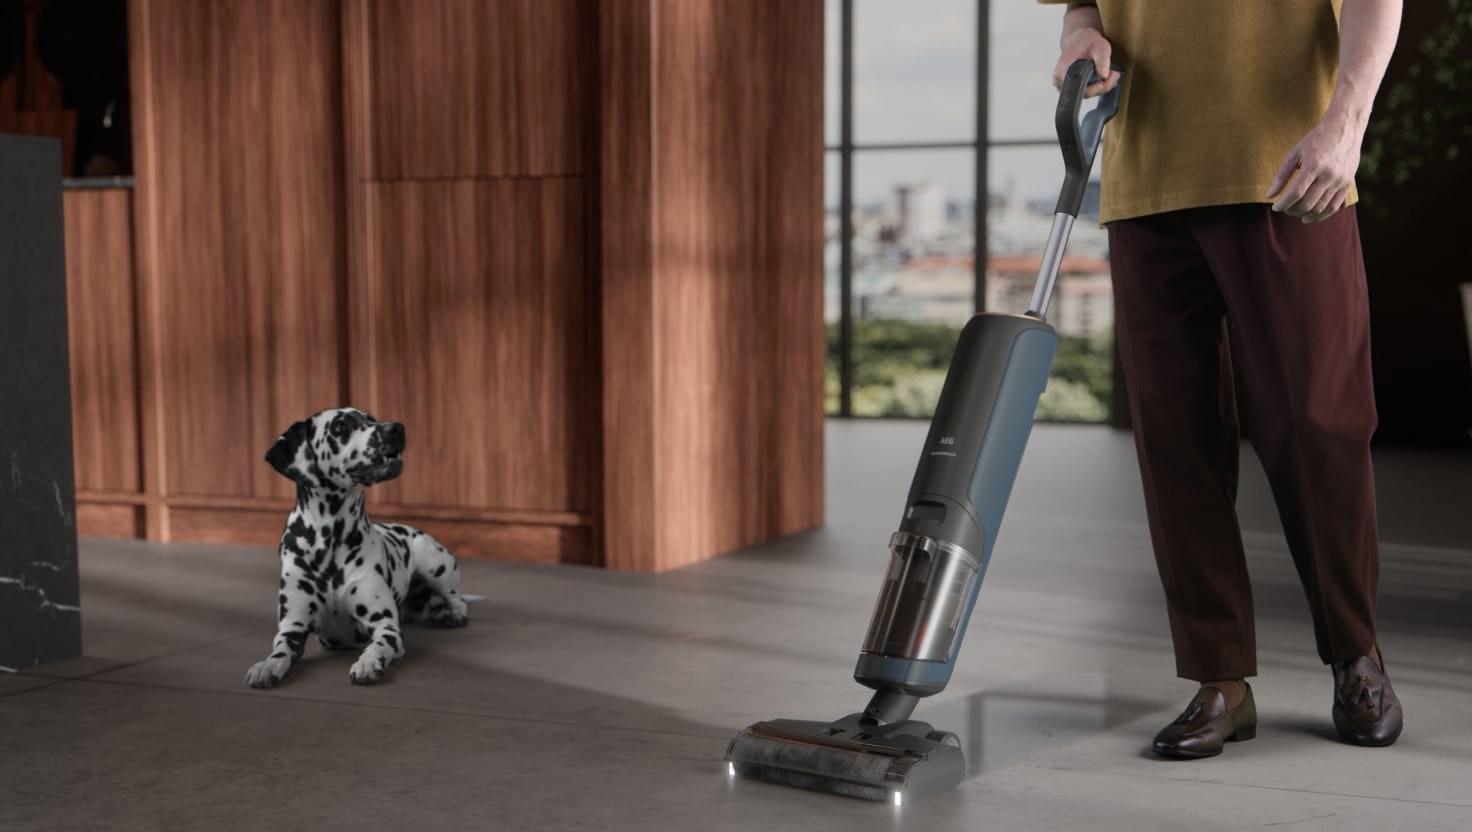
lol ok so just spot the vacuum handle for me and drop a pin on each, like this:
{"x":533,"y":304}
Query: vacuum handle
{"x":1080,"y":142}
{"x":1080,"y":139}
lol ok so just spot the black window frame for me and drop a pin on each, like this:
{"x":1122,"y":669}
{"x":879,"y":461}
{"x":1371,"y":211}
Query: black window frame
{"x":980,"y":145}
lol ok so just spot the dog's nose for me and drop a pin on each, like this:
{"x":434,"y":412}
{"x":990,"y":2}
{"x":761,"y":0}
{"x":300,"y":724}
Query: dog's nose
{"x":393,"y":435}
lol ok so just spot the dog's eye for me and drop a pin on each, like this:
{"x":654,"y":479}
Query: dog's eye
{"x":340,"y":427}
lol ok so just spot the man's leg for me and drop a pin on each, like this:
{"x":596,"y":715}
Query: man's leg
{"x":1300,"y":326}
{"x":1169,"y":314}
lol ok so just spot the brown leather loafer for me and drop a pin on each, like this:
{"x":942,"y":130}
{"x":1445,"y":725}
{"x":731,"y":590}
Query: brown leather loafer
{"x":1366,"y":709}
{"x":1205,"y":725}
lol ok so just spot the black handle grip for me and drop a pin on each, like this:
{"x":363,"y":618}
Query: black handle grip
{"x":1080,"y":139}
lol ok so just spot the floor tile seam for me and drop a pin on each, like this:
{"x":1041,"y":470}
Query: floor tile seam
{"x":388,"y":707}
{"x":51,"y":681}
{"x":1222,"y":783}
{"x":172,"y":654}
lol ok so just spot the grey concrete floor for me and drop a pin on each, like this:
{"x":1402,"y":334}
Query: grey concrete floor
{"x":583,"y":699}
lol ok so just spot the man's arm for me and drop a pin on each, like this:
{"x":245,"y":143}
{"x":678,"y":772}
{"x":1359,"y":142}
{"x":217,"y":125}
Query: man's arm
{"x":1083,"y":37}
{"x":1315,"y":178}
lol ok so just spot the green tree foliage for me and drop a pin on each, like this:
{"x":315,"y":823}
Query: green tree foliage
{"x":900,"y":366}
{"x":1424,"y":123}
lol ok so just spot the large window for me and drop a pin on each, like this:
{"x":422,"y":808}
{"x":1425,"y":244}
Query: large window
{"x":917,"y":126}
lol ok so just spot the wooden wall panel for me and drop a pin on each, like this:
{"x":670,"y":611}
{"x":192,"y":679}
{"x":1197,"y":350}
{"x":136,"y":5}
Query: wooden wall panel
{"x":239,"y":176}
{"x":108,"y":519}
{"x":102,"y":340}
{"x":738,"y":214}
{"x":719,"y":254}
{"x":629,"y":346}
{"x":257,"y":525}
{"x":474,"y":330}
{"x":462,"y":88}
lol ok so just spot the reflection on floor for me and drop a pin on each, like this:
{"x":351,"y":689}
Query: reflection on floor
{"x":581,"y":699}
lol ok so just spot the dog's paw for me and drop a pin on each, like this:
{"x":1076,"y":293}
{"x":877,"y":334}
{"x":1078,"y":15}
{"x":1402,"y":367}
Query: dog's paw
{"x":368,"y":670}
{"x":454,"y":613}
{"x":266,"y":674}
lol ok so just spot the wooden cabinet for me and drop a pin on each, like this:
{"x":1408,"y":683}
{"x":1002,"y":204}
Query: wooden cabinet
{"x":470,"y":88}
{"x":474,"y":329}
{"x":574,"y":245}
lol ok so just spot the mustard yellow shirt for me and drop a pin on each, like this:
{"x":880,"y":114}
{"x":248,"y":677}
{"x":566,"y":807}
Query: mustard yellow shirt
{"x":1215,"y":94}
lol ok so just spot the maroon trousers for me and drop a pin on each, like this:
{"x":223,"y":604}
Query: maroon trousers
{"x":1202,"y":294}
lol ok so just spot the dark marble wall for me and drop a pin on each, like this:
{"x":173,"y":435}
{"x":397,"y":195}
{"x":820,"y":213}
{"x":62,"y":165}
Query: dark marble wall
{"x":40,"y":619}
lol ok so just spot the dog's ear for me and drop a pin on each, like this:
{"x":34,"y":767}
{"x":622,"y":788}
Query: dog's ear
{"x":282,"y":455}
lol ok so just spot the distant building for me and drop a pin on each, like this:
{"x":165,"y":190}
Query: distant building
{"x":922,"y":211}
{"x":1083,"y":302}
{"x":940,"y":290}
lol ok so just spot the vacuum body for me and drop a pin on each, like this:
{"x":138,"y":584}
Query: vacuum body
{"x":939,"y":554}
{"x":940,"y":551}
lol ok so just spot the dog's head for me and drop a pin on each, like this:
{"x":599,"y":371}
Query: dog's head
{"x":339,"y":449}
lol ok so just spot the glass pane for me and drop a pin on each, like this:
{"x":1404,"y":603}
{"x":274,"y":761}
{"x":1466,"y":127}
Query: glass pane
{"x":1024,"y":183}
{"x":914,"y":70}
{"x":832,"y":70}
{"x":1020,"y":59}
{"x":913,"y":285}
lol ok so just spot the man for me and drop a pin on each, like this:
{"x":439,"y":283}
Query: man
{"x":1228,"y":188}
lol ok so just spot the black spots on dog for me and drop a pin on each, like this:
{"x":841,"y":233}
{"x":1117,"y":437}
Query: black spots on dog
{"x":283,"y":583}
{"x":295,"y":640}
{"x":355,"y":538}
{"x":439,"y":570}
{"x":378,"y":616}
{"x":281,"y":605}
{"x":300,"y":529}
{"x":360,"y":609}
{"x":353,"y":591}
{"x":312,"y":607}
{"x":301,"y":563}
{"x":303,"y":585}
{"x":283,"y":451}
{"x":278,"y":655}
{"x":391,"y":640}
{"x":334,"y":503}
{"x":378,"y":567}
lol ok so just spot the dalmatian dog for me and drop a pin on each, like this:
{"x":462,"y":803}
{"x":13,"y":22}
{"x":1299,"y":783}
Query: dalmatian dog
{"x":344,"y":577}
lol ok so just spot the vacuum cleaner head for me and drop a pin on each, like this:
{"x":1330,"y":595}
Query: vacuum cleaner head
{"x":854,"y":757}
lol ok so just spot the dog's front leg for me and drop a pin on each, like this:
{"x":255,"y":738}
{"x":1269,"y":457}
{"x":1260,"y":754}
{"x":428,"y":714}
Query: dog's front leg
{"x":296,"y":612}
{"x":375,"y":611}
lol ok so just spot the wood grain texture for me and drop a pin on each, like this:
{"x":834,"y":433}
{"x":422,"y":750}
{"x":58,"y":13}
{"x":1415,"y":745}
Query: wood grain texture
{"x":240,"y":182}
{"x":724,"y":250}
{"x":257,"y":526}
{"x":738,"y":212}
{"x":468,"y":88}
{"x":102,"y":339}
{"x":473,"y":329}
{"x":108,"y":520}
{"x":630,"y":507}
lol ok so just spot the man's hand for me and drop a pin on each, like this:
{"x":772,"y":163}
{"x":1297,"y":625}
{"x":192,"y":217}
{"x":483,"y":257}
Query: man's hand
{"x":1083,"y":37}
{"x":1313,"y":182}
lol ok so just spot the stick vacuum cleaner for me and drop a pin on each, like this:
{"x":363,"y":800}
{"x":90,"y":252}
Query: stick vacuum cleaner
{"x":944,"y":542}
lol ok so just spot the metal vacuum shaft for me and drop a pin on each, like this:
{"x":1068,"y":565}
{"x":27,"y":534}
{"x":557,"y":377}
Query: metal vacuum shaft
{"x":940,"y":552}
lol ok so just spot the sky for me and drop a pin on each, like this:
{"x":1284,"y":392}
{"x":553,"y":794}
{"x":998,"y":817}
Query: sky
{"x":914,"y":80}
